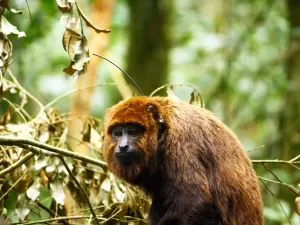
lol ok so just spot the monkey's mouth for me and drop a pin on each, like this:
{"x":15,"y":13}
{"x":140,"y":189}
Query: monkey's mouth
{"x":127,"y":158}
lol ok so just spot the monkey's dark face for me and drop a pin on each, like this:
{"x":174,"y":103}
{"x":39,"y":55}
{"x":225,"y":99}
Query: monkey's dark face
{"x":132,"y":130}
{"x":126,"y":138}
{"x":128,"y":149}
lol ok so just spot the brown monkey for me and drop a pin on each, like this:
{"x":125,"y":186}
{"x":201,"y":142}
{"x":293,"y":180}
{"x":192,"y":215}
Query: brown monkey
{"x":190,"y":163}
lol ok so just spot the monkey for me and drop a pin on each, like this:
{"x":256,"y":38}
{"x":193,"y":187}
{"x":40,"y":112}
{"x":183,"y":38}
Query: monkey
{"x":191,"y":164}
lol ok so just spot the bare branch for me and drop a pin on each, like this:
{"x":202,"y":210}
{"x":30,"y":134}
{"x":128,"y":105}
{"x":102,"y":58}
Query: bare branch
{"x":26,"y":143}
{"x":81,"y":188}
{"x":16,"y":164}
{"x":290,"y":162}
{"x":286,"y":216}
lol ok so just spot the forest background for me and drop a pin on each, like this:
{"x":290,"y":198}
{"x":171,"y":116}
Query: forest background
{"x":243,"y":57}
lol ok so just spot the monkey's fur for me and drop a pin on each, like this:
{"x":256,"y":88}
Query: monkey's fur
{"x":195,"y":170}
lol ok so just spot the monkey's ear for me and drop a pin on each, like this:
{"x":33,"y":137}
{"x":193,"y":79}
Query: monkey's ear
{"x":156,"y":116}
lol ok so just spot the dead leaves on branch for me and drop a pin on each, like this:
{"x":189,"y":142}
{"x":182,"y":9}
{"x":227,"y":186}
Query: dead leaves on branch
{"x":6,"y":28}
{"x":74,"y":40}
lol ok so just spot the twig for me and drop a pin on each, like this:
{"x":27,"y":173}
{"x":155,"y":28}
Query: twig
{"x":257,"y":148}
{"x":26,"y":143}
{"x":294,"y":159}
{"x":277,"y":201}
{"x":277,"y":161}
{"x":16,"y":164}
{"x":51,"y":213}
{"x":179,"y":85}
{"x":12,"y":187}
{"x":290,"y":187}
{"x":88,"y":23}
{"x":77,"y":90}
{"x":26,"y":92}
{"x":17,"y":110}
{"x":53,"y":220}
{"x":81,"y":188}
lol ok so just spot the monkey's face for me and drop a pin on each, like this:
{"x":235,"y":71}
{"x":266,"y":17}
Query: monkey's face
{"x":128,"y":150}
{"x":131,"y":137}
{"x":126,"y":139}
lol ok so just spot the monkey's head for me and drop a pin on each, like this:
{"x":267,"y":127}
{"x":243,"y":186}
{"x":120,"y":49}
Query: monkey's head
{"x":132,"y":133}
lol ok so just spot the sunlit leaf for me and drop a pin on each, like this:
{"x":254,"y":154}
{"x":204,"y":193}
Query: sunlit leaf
{"x":33,"y":192}
{"x":5,"y":4}
{"x":5,"y":56}
{"x":58,"y":191}
{"x":22,"y":208}
{"x":44,"y":137}
{"x":106,"y":185}
{"x":40,"y":162}
{"x":78,"y":51}
{"x":196,"y":99}
{"x":22,"y":212}
{"x":297,"y":202}
{"x":72,"y":23}
{"x":71,"y":43}
{"x":64,"y":5}
{"x":7,"y":28}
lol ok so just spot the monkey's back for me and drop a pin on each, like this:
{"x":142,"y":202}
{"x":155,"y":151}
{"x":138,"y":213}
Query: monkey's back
{"x":233,"y":185}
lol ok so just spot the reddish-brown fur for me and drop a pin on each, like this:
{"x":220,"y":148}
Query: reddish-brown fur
{"x":196,"y":172}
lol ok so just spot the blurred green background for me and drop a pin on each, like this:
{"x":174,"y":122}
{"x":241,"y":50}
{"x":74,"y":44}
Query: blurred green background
{"x":242,"y":56}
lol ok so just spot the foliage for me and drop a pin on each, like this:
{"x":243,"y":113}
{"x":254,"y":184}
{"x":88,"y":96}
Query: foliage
{"x":235,"y":54}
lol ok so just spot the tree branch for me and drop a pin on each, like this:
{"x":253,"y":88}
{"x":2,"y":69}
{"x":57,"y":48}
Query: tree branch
{"x":81,"y":188}
{"x":28,"y":143}
{"x":16,"y":164}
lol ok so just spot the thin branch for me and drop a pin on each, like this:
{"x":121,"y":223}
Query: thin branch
{"x":51,"y":213}
{"x":257,"y":148}
{"x":54,"y":220}
{"x":27,"y":93}
{"x":294,"y":159}
{"x":16,"y":164}
{"x":292,"y":163}
{"x":290,"y":187}
{"x":179,"y":85}
{"x":286,"y":216}
{"x":88,"y":23}
{"x":81,"y":188}
{"x":78,"y":90}
{"x":17,"y":110}
{"x":12,"y":187}
{"x":26,"y":143}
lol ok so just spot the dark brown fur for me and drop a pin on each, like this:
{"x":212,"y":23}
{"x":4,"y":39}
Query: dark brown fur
{"x":196,"y":172}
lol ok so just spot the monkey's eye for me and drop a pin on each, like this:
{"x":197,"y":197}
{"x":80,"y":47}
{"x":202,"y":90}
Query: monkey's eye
{"x":117,"y":133}
{"x":133,"y":132}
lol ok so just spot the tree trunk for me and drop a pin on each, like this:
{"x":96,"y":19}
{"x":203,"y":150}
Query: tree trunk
{"x":149,"y":43}
{"x":290,"y":116}
{"x":289,"y":124}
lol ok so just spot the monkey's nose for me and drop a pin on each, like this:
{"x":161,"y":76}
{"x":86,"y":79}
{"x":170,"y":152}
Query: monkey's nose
{"x":123,"y":148}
